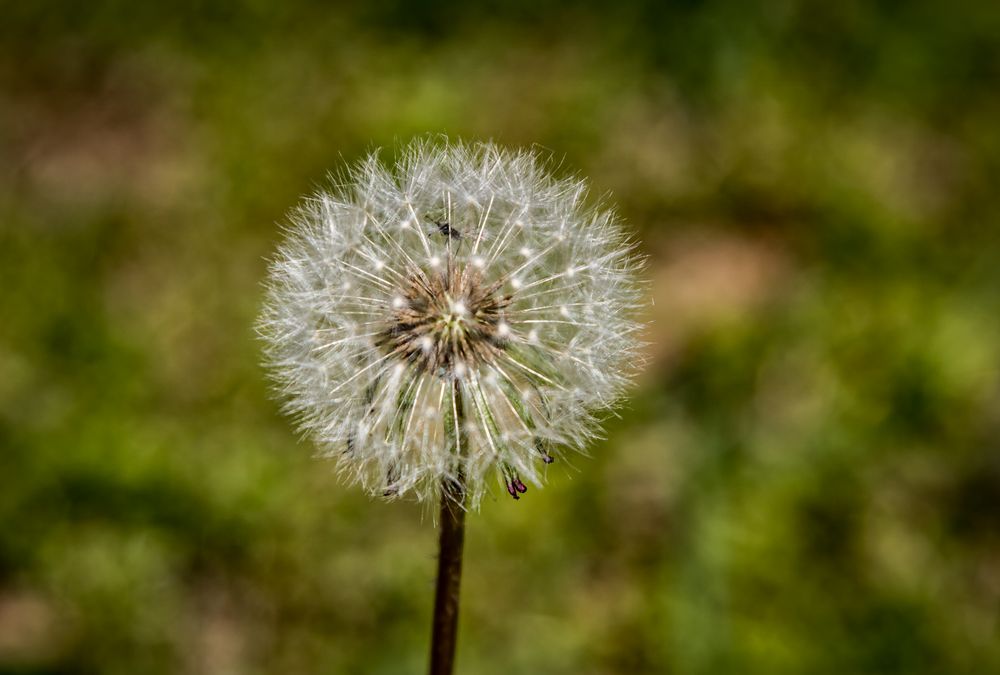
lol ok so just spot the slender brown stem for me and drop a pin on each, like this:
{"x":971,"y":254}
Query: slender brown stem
{"x":445,"y":624}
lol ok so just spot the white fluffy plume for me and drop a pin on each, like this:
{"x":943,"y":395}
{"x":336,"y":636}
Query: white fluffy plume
{"x":464,"y":268}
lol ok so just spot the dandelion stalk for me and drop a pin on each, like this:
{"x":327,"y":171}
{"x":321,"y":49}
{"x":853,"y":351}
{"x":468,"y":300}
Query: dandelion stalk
{"x":444,"y":631}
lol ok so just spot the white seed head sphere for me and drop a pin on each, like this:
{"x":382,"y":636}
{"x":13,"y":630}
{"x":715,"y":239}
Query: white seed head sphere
{"x":463,"y":288}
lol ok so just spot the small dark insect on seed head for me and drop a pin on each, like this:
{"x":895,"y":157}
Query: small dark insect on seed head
{"x":445,"y":228}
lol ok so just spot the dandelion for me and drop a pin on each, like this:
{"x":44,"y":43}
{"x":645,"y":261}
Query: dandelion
{"x":450,"y":323}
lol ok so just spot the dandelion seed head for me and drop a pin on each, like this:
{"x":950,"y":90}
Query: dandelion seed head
{"x":462,"y":270}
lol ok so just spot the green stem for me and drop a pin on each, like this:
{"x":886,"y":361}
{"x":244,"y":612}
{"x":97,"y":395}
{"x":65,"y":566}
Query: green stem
{"x":452,"y":523}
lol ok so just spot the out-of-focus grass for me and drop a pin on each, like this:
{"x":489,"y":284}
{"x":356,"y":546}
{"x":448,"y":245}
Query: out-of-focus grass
{"x":807,"y":479}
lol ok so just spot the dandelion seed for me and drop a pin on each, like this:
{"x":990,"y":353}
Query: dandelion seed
{"x":491,"y":338}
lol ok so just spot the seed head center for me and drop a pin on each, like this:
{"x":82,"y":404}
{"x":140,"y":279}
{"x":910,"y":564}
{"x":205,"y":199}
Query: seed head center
{"x":446,"y":324}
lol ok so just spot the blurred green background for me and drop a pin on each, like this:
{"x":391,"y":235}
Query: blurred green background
{"x":806,"y":480}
